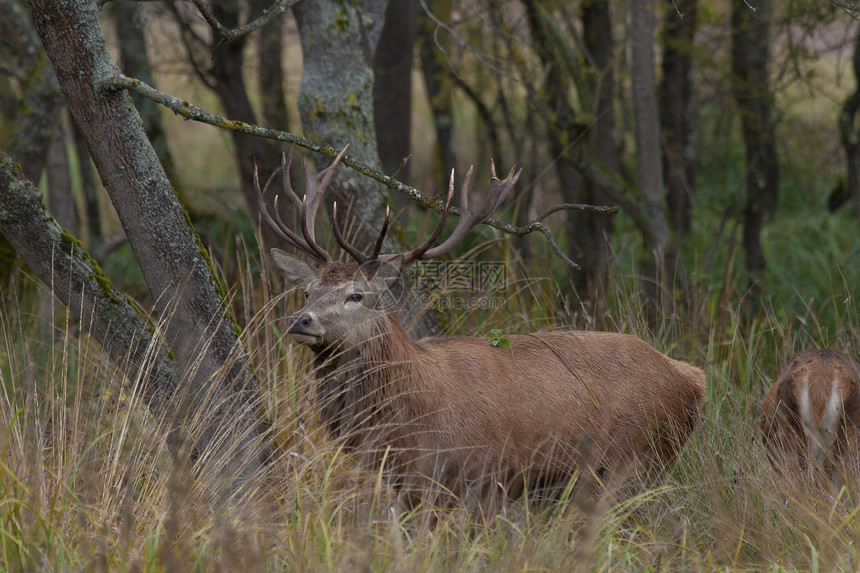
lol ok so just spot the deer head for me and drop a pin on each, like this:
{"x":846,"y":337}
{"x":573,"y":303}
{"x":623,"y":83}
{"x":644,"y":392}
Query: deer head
{"x":346,"y":301}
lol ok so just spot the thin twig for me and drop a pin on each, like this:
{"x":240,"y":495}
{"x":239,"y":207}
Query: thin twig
{"x":189,"y":111}
{"x":850,"y":7}
{"x":230,"y":34}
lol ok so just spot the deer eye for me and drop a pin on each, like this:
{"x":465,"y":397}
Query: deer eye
{"x":356,"y":297}
{"x":307,"y":294}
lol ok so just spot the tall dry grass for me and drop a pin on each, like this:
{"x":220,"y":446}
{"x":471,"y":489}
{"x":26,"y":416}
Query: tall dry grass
{"x":88,"y":482}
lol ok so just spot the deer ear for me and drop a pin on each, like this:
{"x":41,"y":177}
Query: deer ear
{"x":297,"y":272}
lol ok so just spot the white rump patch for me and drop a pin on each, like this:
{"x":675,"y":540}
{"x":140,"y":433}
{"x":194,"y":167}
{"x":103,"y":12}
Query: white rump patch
{"x":821,"y":435}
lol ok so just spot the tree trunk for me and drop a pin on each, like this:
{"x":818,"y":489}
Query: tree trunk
{"x":678,"y":114}
{"x":36,"y":117}
{"x":750,"y":44}
{"x":133,"y":60}
{"x":336,"y":108}
{"x":104,"y":313}
{"x":570,"y":140}
{"x":199,"y":329}
{"x":61,"y":202}
{"x":564,"y":134}
{"x":226,"y":71}
{"x":336,"y":104}
{"x":270,"y":81}
{"x":602,"y":144}
{"x":392,"y":90}
{"x":649,"y":173}
{"x":31,"y":103}
{"x":440,"y":91}
{"x":88,"y":187}
{"x":849,"y":129}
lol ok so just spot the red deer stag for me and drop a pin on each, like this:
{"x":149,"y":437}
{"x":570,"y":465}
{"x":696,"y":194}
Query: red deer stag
{"x":811,"y":413}
{"x":455,"y":415}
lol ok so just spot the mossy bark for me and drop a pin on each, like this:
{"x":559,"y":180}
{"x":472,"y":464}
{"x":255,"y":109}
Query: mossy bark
{"x":199,"y":328}
{"x":336,"y":101}
{"x":57,"y":259}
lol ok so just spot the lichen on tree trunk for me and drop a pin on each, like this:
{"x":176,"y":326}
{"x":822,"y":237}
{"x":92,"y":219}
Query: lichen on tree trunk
{"x":336,"y":100}
{"x":57,"y":259}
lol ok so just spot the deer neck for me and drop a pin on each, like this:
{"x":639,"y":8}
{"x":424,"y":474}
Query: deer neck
{"x":364,"y":390}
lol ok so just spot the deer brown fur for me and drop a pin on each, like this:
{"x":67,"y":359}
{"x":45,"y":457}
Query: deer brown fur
{"x":811,"y":413}
{"x":456,"y":416}
{"x":478,"y":421}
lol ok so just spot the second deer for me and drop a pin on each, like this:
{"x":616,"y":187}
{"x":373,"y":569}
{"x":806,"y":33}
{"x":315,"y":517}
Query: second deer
{"x":454,"y":417}
{"x":811,"y":413}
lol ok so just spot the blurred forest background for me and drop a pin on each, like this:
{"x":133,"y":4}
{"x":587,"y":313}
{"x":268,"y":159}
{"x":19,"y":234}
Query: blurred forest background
{"x":727,"y":132}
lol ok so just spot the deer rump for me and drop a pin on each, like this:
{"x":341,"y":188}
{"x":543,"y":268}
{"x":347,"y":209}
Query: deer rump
{"x":811,"y":413}
{"x":455,"y":416}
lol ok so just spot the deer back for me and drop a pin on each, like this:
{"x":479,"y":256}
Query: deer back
{"x":533,"y":404}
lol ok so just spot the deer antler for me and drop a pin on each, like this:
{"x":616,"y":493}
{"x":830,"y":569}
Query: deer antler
{"x":353,"y":252}
{"x":315,"y":186}
{"x":499,"y":190}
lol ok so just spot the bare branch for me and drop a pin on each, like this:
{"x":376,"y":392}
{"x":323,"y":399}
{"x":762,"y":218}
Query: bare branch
{"x":189,"y":111}
{"x":187,"y":36}
{"x":230,"y":34}
{"x":850,"y":7}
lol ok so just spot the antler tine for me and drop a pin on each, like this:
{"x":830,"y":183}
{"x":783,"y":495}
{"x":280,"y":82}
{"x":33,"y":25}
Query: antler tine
{"x":468,"y":220}
{"x":353,"y":252}
{"x":349,"y":248}
{"x":286,"y":184}
{"x":307,"y":219}
{"x":464,"y":192}
{"x":315,"y":186}
{"x":418,"y":252}
{"x":499,"y":190}
{"x":377,"y":247}
{"x":286,"y":233}
{"x":277,"y":225}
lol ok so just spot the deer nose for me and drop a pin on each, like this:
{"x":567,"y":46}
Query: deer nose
{"x":299,"y":324}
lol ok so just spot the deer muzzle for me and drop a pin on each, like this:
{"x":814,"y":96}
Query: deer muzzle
{"x":305,"y":330}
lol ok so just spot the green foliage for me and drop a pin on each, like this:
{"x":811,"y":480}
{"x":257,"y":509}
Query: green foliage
{"x":496,"y":340}
{"x":812,"y":268}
